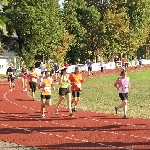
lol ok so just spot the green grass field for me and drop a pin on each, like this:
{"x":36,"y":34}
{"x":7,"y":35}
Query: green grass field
{"x":99,"y":94}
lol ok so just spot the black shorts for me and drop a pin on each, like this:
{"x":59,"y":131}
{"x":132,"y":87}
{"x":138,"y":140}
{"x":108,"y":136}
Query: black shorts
{"x":123,"y":96}
{"x":11,"y":79}
{"x":89,"y":68}
{"x":63,"y":91}
{"x":75,"y":94}
{"x":102,"y":69}
{"x":47,"y":97}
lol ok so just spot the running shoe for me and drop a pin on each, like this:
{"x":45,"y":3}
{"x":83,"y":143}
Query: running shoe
{"x":116,"y":109}
{"x":43,"y":116}
{"x":56,"y":111}
{"x":74,"y":109}
{"x":125,"y":117}
{"x":70,"y":113}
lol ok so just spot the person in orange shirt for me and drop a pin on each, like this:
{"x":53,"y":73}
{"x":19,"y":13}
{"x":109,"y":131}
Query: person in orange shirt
{"x":76,"y":82}
{"x":46,"y":86}
{"x":33,"y":76}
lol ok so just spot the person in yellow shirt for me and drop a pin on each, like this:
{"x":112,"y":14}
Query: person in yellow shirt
{"x":76,"y":80}
{"x":46,"y":86}
{"x":33,"y":76}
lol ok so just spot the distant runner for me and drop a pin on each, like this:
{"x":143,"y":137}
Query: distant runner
{"x":33,"y":76}
{"x":89,"y":65}
{"x":11,"y":73}
{"x":24,"y":72}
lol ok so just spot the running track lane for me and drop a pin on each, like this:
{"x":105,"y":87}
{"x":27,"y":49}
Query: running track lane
{"x":20,"y":123}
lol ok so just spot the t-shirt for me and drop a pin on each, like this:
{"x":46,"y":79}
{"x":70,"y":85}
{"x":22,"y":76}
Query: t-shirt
{"x":11,"y":71}
{"x":89,"y":64}
{"x":77,"y":80}
{"x":46,"y":90}
{"x":33,"y":76}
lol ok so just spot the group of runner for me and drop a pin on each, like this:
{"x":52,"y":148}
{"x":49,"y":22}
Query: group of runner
{"x":68,"y":83}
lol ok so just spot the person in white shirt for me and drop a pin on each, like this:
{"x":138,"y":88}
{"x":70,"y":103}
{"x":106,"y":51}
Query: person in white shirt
{"x":102,"y":65}
{"x":42,"y":67}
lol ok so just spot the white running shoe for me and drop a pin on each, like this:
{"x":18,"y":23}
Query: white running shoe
{"x":56,"y":111}
{"x":43,"y":116}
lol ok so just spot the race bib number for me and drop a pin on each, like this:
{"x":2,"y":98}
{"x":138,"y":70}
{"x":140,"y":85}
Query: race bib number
{"x":47,"y":89}
{"x":126,"y":87}
{"x":78,"y":85}
{"x":34,"y":79}
{"x":10,"y":73}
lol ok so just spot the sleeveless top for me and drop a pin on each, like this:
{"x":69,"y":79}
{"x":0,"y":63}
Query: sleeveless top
{"x":64,"y":79}
{"x":124,"y":85}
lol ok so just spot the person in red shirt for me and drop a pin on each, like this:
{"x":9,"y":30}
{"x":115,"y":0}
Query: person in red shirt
{"x":123,"y":61}
{"x":66,"y":65}
{"x":76,"y":80}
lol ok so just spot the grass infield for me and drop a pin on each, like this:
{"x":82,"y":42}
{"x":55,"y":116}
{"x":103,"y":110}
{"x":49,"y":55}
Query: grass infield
{"x":99,"y":94}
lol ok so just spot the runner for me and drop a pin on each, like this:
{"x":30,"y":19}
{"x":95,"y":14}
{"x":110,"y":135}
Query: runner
{"x":33,"y":76}
{"x":46,"y":86}
{"x":24,"y":71}
{"x":123,"y":84}
{"x":76,"y":81}
{"x":89,"y":65}
{"x":64,"y":91}
{"x":11,"y":73}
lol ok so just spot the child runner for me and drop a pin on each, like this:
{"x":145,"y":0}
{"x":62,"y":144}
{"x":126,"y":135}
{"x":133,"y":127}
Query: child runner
{"x":76,"y":81}
{"x":64,"y":91}
{"x":24,"y":71}
{"x":46,"y":86}
{"x":33,"y":80}
{"x":11,"y":73}
{"x":123,"y":84}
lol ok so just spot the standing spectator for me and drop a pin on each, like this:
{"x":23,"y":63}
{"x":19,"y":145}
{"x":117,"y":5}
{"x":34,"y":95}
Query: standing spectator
{"x":66,"y":65}
{"x":42,"y":67}
{"x":140,"y":62}
{"x":123,"y":61}
{"x":89,"y":65}
{"x":102,"y":66}
{"x":56,"y":68}
{"x":135,"y":62}
{"x":116,"y":59}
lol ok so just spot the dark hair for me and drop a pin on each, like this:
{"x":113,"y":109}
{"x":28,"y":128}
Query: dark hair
{"x":64,"y":69}
{"x":48,"y":71}
{"x":122,"y":72}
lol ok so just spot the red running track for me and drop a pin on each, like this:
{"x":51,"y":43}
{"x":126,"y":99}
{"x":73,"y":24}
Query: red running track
{"x":20,"y":123}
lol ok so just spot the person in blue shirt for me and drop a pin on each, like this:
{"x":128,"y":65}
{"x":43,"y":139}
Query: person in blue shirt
{"x":140,"y":62}
{"x":57,"y":71}
{"x":89,"y":65}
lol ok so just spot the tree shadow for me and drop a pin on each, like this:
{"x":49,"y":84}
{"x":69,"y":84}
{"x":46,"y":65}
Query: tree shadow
{"x":96,"y":145}
{"x":108,"y":128}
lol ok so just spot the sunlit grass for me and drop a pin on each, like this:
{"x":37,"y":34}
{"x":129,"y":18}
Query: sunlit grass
{"x":99,"y":94}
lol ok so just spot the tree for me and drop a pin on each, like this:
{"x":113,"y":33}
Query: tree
{"x":79,"y":18}
{"x":38,"y":25}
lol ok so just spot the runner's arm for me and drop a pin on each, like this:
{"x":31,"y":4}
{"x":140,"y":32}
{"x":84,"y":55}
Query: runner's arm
{"x":116,"y":84}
